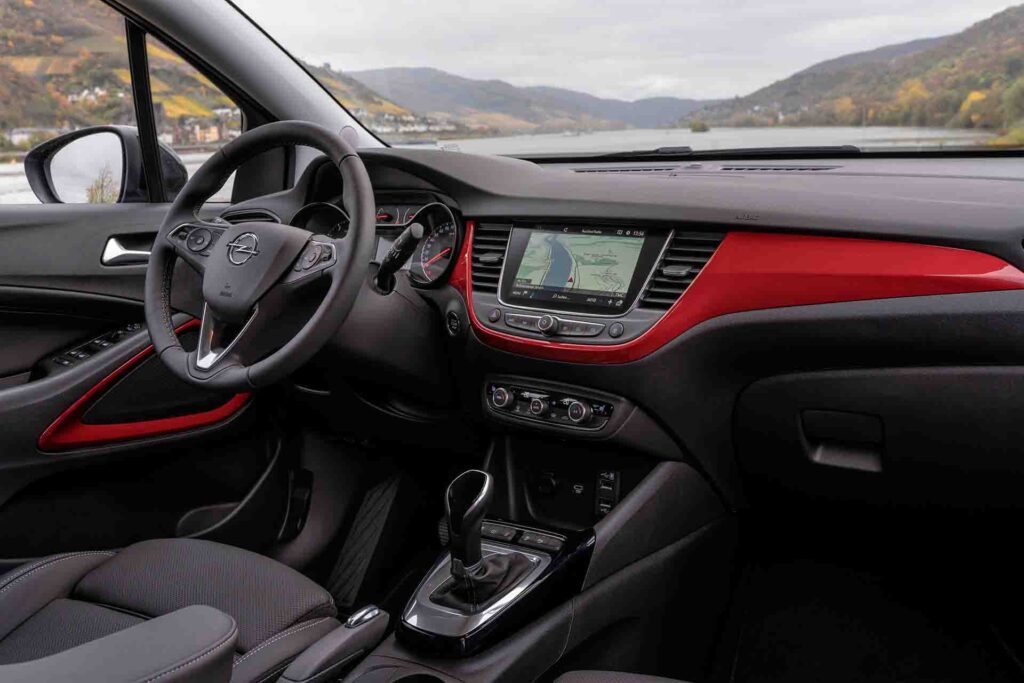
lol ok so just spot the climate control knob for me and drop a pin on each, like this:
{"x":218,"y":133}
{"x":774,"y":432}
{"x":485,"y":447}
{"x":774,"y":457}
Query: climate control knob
{"x":548,"y":325}
{"x":502,"y":398}
{"x":579,"y":412}
{"x":539,"y":406}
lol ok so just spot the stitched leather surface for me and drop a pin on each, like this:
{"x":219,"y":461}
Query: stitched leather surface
{"x":157,"y":577}
{"x":61,"y":625}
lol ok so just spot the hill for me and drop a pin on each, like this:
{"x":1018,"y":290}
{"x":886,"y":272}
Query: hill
{"x":882,"y":54}
{"x":64,"y":64}
{"x":970,"y":79}
{"x":508,"y":108}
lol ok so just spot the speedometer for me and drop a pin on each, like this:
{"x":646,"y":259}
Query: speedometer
{"x":435,"y":255}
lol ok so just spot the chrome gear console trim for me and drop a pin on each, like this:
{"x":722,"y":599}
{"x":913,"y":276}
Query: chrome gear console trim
{"x":427,"y":616}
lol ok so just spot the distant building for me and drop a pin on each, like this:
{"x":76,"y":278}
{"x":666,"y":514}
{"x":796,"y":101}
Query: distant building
{"x":22,"y":136}
{"x":206,"y":134}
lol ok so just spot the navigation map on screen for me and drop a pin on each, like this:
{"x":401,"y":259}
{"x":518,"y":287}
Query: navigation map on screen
{"x":588,"y":263}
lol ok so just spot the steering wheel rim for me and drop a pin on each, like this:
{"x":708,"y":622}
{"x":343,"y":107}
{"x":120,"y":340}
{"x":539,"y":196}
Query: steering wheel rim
{"x":276,"y":256}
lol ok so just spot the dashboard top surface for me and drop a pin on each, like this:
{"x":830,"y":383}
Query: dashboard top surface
{"x":970,"y":202}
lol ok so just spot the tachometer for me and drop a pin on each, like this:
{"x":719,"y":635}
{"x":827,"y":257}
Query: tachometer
{"x":435,"y":255}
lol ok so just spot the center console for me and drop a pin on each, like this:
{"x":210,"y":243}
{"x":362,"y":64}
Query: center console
{"x":495,"y":576}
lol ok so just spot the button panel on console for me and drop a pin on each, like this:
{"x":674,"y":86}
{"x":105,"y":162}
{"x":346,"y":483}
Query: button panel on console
{"x":556,"y":408}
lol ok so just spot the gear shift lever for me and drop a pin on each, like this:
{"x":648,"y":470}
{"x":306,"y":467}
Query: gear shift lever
{"x":466,"y":503}
{"x":476,"y":581}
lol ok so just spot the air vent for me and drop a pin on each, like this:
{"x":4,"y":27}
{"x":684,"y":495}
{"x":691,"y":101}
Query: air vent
{"x":777,"y":169}
{"x":657,"y":170}
{"x":490,"y":240}
{"x":686,"y":255}
{"x":250,"y":215}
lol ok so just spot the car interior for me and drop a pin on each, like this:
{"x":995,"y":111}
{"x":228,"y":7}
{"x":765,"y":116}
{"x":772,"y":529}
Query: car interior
{"x":328,"y":431}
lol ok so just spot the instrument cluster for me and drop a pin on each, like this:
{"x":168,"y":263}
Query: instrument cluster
{"x":434,"y":257}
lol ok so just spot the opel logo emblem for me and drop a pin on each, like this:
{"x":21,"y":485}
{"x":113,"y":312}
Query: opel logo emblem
{"x":243,"y":248}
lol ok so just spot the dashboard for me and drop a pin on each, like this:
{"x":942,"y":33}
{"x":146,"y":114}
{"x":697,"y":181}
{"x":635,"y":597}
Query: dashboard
{"x":634,"y":310}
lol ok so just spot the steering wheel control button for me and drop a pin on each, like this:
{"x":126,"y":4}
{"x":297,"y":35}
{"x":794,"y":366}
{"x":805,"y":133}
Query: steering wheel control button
{"x":578,"y":412}
{"x":495,"y":315}
{"x":502,"y":398}
{"x":616,"y":330}
{"x":198,"y":240}
{"x":311,"y":256}
{"x":548,"y":325}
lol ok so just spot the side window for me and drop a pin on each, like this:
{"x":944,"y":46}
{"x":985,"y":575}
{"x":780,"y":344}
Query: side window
{"x":193,"y":116}
{"x":63,"y":66}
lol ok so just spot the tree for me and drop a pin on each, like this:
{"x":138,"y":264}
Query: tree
{"x":1013,"y":102}
{"x":103,"y":190}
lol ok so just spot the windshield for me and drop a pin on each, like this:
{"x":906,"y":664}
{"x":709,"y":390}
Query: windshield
{"x":577,"y":76}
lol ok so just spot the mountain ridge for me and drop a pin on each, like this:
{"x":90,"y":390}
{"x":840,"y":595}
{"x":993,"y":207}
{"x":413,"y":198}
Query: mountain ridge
{"x":505,"y":107}
{"x":969,"y":79}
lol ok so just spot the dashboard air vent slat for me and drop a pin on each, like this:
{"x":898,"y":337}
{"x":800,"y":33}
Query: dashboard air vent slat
{"x":656,"y":170}
{"x":684,"y":257}
{"x":776,"y":169}
{"x":490,"y":240}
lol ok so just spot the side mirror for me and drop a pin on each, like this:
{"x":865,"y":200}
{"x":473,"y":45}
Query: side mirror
{"x":98,"y":165}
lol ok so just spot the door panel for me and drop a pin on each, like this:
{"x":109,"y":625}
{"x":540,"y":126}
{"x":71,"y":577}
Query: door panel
{"x":138,"y":451}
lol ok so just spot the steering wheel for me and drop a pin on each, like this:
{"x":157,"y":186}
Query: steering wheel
{"x":257,"y":272}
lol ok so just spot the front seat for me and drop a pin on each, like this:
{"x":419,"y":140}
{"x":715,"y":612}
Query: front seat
{"x":63,"y":601}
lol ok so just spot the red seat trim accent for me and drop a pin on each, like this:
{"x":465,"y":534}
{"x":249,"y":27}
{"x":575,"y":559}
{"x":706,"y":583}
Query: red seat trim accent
{"x":68,"y":431}
{"x":754,"y":271}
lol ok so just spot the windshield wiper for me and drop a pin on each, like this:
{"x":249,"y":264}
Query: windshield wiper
{"x":681,"y":153}
{"x":659,"y":153}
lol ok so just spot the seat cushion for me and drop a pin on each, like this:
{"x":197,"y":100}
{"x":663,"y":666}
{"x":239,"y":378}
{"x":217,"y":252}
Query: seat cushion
{"x":68,"y":600}
{"x":157,"y":577}
{"x":610,"y":677}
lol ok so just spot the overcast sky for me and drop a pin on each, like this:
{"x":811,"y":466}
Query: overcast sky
{"x":613,"y":48}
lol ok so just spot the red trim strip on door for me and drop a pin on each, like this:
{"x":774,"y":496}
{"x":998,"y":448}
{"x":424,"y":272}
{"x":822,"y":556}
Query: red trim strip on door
{"x":753,"y":271}
{"x":68,"y":431}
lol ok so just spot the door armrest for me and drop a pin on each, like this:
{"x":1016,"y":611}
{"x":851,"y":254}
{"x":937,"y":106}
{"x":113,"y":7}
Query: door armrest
{"x":193,"y":644}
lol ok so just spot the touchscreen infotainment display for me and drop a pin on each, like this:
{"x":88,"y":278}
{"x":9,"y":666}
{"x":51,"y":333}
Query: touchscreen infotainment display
{"x":597,"y":269}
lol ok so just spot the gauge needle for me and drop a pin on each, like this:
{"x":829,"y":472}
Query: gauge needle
{"x":444,"y":252}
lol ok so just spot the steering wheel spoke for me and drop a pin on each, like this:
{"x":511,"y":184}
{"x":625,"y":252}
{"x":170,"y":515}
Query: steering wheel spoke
{"x":193,"y":242}
{"x":221,"y":342}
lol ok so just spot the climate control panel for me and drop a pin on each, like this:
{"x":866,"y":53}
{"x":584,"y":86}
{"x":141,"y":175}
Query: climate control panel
{"x":552,"y":407}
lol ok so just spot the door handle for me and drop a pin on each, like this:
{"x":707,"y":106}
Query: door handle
{"x":115,"y":253}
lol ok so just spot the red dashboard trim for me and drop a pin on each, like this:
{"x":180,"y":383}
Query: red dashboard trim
{"x":68,"y":431}
{"x":754,"y":271}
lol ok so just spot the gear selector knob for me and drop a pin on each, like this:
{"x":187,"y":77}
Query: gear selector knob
{"x":466,"y":503}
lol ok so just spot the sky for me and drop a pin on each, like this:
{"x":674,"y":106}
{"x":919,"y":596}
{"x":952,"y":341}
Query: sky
{"x":627,"y":49}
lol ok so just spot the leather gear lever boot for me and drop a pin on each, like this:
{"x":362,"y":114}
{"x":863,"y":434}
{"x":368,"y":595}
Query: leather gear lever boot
{"x":493,"y":577}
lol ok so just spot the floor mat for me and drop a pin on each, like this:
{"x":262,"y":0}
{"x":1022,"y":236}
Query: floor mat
{"x":811,"y":622}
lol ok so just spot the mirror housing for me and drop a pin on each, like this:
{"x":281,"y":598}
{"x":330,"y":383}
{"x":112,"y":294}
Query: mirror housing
{"x":131,"y":185}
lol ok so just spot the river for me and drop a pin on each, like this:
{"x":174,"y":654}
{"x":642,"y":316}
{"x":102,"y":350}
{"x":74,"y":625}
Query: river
{"x":14,"y":188}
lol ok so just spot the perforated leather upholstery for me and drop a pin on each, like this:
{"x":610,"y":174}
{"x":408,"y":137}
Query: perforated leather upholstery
{"x":67,"y":600}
